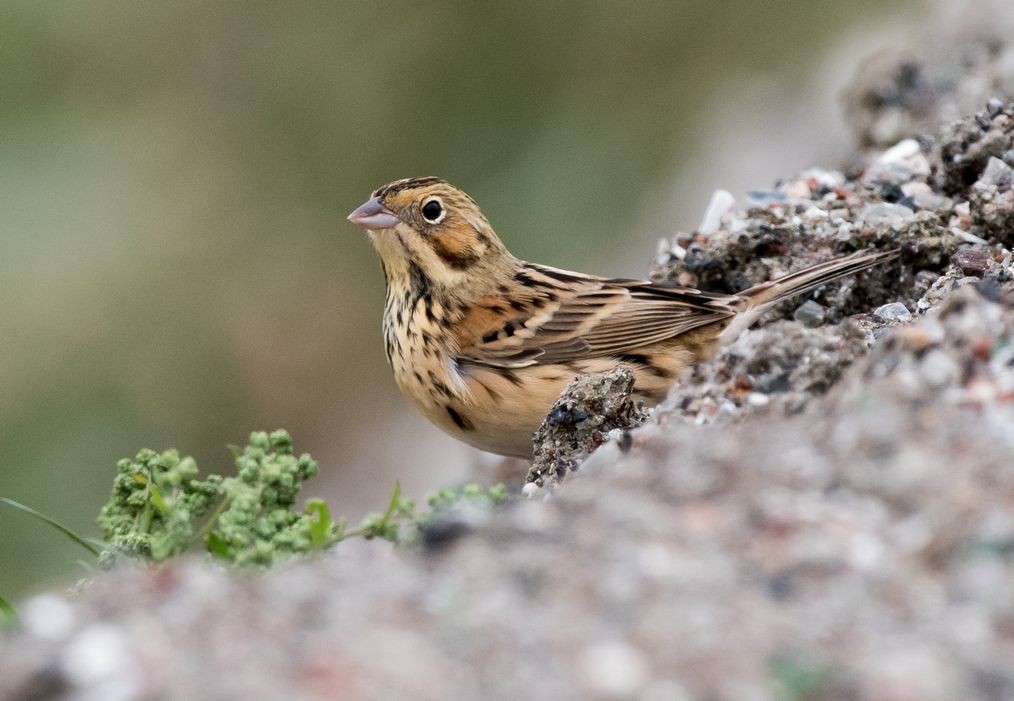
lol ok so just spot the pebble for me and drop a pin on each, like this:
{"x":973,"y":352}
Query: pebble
{"x":922,"y":196}
{"x":938,"y":369}
{"x":47,"y":617}
{"x":721,"y":203}
{"x":968,"y":237}
{"x":895,"y":311}
{"x":614,"y":669}
{"x":810,"y":314}
{"x":901,"y":151}
{"x":762,"y":198}
{"x":887,"y":213}
{"x":998,"y":175}
{"x":99,"y":657}
{"x":797,"y":190}
{"x":824,"y":178}
{"x":972,"y":261}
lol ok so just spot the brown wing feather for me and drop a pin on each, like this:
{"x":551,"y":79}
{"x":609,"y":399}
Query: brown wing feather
{"x":566,"y":316}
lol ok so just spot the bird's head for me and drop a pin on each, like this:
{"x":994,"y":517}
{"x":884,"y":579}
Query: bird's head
{"x":432,"y":225}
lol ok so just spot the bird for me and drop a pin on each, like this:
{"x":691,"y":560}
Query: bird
{"x":483,"y":343}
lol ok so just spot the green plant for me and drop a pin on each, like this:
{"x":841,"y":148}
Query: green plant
{"x":159,"y":508}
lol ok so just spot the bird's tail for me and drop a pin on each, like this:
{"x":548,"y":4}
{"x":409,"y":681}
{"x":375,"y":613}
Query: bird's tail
{"x":759,"y":298}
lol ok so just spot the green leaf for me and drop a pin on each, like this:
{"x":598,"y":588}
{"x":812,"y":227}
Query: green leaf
{"x":320,"y":522}
{"x":217,"y":546}
{"x":7,"y":613}
{"x":157,"y":499}
{"x":393,"y":504}
{"x":54,"y":524}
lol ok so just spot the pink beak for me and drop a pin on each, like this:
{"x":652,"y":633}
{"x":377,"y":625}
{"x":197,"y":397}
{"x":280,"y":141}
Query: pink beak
{"x":373,"y":215}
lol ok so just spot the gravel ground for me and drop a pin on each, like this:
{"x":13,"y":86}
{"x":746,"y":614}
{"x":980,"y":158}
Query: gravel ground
{"x":824,"y":511}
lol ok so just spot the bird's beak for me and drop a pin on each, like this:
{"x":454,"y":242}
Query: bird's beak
{"x":373,"y":215}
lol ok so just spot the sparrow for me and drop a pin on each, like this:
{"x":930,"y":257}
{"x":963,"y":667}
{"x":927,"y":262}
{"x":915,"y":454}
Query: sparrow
{"x":483,"y":343}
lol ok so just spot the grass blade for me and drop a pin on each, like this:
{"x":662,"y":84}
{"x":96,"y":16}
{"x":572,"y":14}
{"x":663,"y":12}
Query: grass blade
{"x":7,"y":612}
{"x":53,"y":523}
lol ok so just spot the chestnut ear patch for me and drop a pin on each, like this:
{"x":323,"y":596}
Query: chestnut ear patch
{"x":456,"y":248}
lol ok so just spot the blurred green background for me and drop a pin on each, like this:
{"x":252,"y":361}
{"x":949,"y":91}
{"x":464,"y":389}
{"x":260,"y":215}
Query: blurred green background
{"x":174,"y":178}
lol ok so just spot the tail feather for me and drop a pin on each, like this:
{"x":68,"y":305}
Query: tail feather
{"x":759,"y":298}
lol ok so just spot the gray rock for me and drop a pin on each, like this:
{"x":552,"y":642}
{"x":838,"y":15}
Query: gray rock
{"x":885,"y":214}
{"x":810,"y":314}
{"x":588,"y":410}
{"x":895,"y":311}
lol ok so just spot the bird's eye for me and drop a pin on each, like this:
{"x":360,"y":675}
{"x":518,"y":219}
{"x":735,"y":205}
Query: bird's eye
{"x":433,"y":211}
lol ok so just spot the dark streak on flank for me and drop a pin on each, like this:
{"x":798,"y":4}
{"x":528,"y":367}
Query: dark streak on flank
{"x":508,"y":375}
{"x":493,"y":394}
{"x":439,"y":385}
{"x":459,"y":420}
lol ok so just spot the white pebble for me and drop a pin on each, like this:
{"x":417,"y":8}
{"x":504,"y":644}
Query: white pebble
{"x":613,"y":669}
{"x":98,"y":661}
{"x":47,"y":616}
{"x":721,"y":203}
{"x":530,"y":490}
{"x":904,"y":149}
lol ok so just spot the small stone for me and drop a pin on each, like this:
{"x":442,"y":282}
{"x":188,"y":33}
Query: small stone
{"x":530,"y":490}
{"x":762,"y":198}
{"x":972,"y":261}
{"x":97,"y":656}
{"x":893,"y":215}
{"x":895,"y":311}
{"x":47,"y":617}
{"x":722,"y":202}
{"x":922,"y":196}
{"x":901,"y":151}
{"x":827,"y":179}
{"x":996,"y":175}
{"x":797,"y":190}
{"x":613,"y":669}
{"x":994,"y":106}
{"x":810,"y":314}
{"x":939,"y":370}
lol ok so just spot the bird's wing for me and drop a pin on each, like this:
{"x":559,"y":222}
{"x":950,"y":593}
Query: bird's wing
{"x":554,"y":316}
